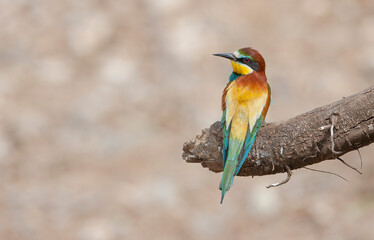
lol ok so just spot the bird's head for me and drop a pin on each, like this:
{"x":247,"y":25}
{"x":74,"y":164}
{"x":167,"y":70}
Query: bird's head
{"x":245,"y":61}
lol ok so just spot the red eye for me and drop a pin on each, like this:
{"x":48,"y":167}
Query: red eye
{"x":246,"y":60}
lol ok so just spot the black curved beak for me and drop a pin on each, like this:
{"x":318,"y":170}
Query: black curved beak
{"x":226,"y":55}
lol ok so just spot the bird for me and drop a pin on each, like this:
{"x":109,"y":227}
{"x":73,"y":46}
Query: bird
{"x":245,"y":103}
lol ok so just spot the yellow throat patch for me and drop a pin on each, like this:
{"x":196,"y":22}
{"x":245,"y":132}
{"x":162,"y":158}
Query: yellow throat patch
{"x":241,"y":69}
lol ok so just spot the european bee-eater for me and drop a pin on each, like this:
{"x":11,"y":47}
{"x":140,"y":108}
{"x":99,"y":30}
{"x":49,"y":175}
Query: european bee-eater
{"x":245,"y":102}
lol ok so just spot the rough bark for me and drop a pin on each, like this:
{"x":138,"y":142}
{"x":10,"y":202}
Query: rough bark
{"x":300,"y":141}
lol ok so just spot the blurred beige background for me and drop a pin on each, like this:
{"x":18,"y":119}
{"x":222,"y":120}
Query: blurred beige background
{"x":98,"y":97}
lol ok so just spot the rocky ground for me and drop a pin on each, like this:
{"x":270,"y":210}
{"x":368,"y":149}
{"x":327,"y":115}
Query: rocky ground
{"x":98,"y":97}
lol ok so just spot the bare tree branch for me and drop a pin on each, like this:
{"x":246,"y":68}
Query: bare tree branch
{"x":321,"y":134}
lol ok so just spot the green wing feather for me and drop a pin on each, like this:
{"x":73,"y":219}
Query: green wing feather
{"x":226,"y":136}
{"x":249,"y":140}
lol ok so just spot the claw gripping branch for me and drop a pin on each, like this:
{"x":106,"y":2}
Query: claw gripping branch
{"x":297,"y":142}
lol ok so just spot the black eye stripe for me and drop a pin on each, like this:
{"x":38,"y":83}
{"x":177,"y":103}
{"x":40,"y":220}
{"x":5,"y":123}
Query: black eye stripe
{"x":255,"y":66}
{"x":245,"y":60}
{"x":252,"y":64}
